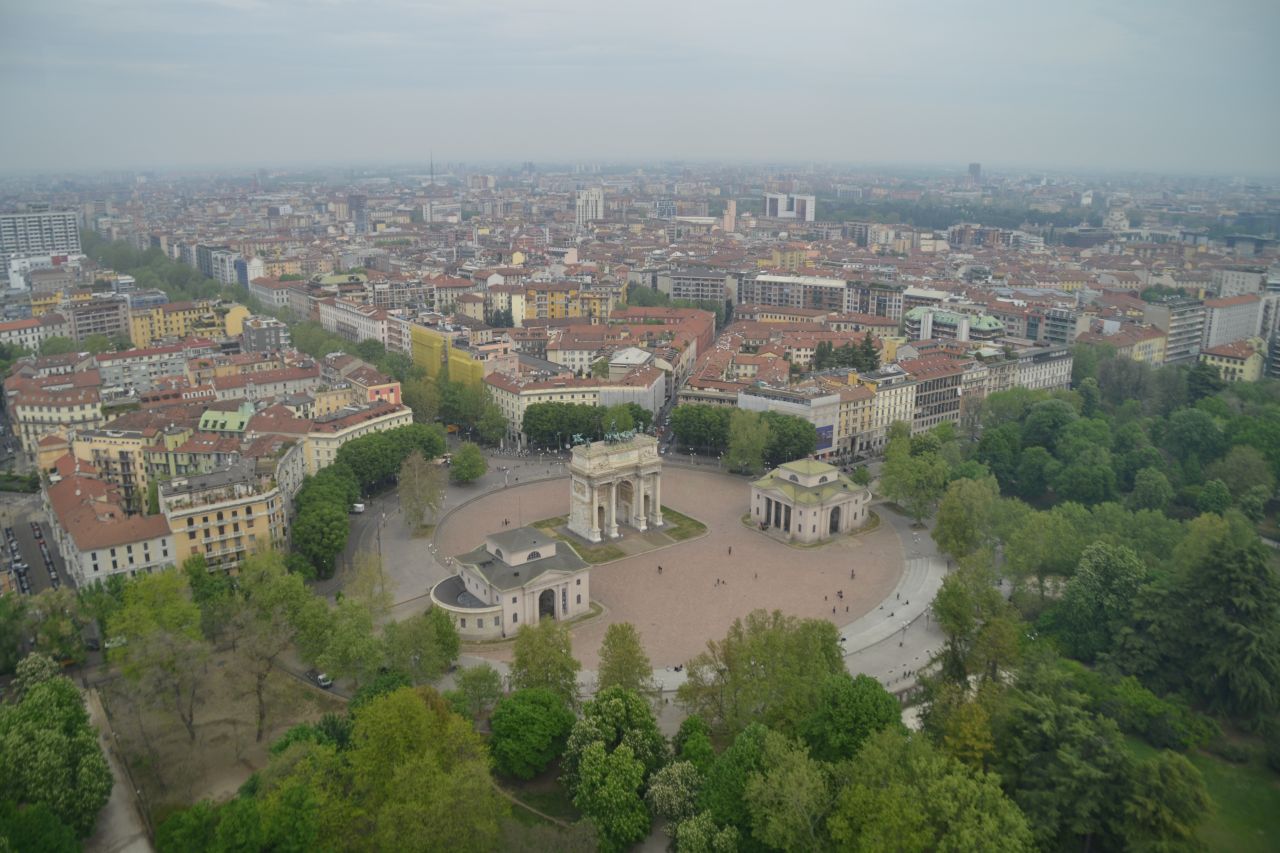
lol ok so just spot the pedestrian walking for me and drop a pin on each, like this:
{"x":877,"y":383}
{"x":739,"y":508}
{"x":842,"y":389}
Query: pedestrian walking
{"x":730,"y":550}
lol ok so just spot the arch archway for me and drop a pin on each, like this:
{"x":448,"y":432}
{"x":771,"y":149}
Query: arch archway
{"x":834,"y":526}
{"x":546,"y":604}
{"x":626,"y":497}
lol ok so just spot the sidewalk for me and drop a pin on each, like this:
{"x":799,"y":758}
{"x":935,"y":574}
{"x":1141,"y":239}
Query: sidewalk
{"x":119,"y":828}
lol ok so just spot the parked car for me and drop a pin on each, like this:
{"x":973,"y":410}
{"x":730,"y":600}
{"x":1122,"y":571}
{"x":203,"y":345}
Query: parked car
{"x":319,"y":678}
{"x":357,"y":507}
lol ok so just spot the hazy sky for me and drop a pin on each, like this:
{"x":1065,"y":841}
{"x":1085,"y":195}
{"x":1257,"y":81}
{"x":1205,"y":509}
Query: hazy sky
{"x":1161,"y":85}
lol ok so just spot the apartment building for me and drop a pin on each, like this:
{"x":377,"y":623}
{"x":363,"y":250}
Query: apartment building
{"x":894,"y":400}
{"x":119,"y":457}
{"x":329,"y":432}
{"x":1182,"y":320}
{"x":224,"y":515}
{"x":818,"y":406}
{"x":54,"y":404}
{"x":95,"y":535}
{"x":271,"y":291}
{"x":699,"y":285}
{"x":1044,"y":368}
{"x":46,"y":232}
{"x":645,"y":386}
{"x":924,"y":324}
{"x":354,"y":321}
{"x":937,"y":381}
{"x":102,"y":315}
{"x":1231,"y":319}
{"x":1240,"y":361}
{"x":551,"y":300}
{"x":265,"y":334}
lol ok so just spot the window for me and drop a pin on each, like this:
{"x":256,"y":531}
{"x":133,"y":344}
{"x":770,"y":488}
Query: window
{"x":579,"y":598}
{"x":579,"y":581}
{"x":513,"y":599}
{"x":515,"y":617}
{"x":480,"y":622}
{"x":464,"y":621}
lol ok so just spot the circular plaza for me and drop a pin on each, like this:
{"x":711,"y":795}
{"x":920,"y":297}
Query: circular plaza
{"x":705,"y":582}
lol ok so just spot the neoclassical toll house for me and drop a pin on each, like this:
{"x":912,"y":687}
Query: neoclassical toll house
{"x":808,"y":501}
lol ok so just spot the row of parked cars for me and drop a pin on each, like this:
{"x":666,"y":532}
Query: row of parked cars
{"x":17,"y":564}
{"x":38,"y":533}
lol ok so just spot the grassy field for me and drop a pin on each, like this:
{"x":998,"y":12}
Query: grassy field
{"x":1246,"y":801}
{"x":680,"y":526}
{"x":593,"y":554}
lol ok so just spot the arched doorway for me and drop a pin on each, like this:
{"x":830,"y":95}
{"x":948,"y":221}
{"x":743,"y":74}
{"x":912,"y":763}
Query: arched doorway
{"x":834,"y":527}
{"x":647,"y":513}
{"x":601,"y":520}
{"x":626,"y":496}
{"x":547,"y":604}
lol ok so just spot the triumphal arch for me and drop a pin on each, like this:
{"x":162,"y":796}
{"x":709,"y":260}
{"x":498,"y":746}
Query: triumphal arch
{"x":615,"y":481}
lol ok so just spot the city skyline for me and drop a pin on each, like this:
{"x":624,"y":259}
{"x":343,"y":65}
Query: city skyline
{"x":233,"y":83}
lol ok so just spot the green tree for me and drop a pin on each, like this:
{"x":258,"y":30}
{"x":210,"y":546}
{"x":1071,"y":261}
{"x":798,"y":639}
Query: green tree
{"x":267,"y":619}
{"x":320,"y":533}
{"x":1036,"y":470}
{"x":57,"y":346}
{"x":1203,"y":380}
{"x":701,"y":834}
{"x":1065,"y":768}
{"x":1099,"y":599}
{"x":1242,"y":469}
{"x":623,"y":662}
{"x":748,"y":438}
{"x":529,"y":728}
{"x":468,"y":464}
{"x":673,"y":793}
{"x":789,"y":796}
{"x":769,"y":668}
{"x":903,"y":795}
{"x":13,"y":618}
{"x":49,"y":755}
{"x":1166,"y":803}
{"x":608,"y":794}
{"x":913,"y":482}
{"x":422,"y":647}
{"x":164,"y":650}
{"x":35,"y":828}
{"x":422,"y":395}
{"x":480,"y":688}
{"x":614,"y":718}
{"x":350,"y":648}
{"x":54,"y":620}
{"x":1151,"y":490}
{"x":420,"y":775}
{"x":966,"y":516}
{"x":421,"y":489}
{"x":979,"y":626}
{"x":1215,"y":497}
{"x":848,"y":711}
{"x":543,"y":657}
{"x":692,"y":743}
{"x":790,"y":437}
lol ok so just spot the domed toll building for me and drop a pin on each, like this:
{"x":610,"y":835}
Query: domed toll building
{"x":808,"y":501}
{"x":517,"y":577}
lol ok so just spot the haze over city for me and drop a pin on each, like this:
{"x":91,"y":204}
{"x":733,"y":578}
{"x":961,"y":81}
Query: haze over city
{"x":1155,"y":86}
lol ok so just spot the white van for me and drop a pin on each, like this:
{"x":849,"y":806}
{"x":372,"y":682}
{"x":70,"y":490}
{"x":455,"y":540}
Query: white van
{"x":357,"y":507}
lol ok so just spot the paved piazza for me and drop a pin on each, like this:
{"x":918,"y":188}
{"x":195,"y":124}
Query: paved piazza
{"x":679,"y":610}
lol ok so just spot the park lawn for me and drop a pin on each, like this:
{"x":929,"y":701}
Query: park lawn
{"x":1246,"y":800}
{"x":680,"y":526}
{"x":593,"y":554}
{"x":544,"y":793}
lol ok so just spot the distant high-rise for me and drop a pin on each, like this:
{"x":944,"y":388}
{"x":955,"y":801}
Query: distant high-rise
{"x":975,"y":172}
{"x":590,"y":206}
{"x":790,"y":206}
{"x":730,"y":221}
{"x":46,"y":232}
{"x":358,"y":209}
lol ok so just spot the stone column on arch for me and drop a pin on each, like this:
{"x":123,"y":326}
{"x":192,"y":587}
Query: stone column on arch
{"x":655,"y":512}
{"x":613,"y":510}
{"x":593,"y":524}
{"x":639,"y":490}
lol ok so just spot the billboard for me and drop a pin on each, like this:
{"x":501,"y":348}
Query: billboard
{"x":825,"y":437}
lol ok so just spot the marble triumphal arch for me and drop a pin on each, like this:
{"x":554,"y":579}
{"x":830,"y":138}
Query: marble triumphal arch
{"x":615,"y":481}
